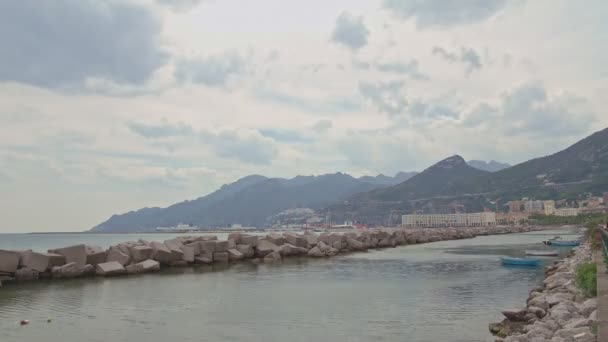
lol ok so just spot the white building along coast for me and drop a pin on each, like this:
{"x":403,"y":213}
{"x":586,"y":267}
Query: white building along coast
{"x":484,"y":219}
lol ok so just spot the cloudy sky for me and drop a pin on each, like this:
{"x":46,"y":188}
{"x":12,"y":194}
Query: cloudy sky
{"x":109,"y":106}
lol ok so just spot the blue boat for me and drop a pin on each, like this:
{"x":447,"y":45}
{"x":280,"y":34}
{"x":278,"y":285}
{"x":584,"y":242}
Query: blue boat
{"x":520,"y":261}
{"x":564,"y":243}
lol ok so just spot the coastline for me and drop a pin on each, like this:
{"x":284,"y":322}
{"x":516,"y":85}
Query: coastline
{"x":133,"y":257}
{"x":555,"y":311}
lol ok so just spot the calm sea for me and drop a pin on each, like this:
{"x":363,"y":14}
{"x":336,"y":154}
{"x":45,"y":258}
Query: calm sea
{"x":444,"y":291}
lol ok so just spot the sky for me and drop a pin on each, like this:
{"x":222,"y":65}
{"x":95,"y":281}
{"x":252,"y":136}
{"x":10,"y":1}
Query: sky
{"x":108,"y":106}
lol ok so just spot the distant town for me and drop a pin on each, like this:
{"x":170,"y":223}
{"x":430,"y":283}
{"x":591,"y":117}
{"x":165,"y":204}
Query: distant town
{"x":516,"y":212}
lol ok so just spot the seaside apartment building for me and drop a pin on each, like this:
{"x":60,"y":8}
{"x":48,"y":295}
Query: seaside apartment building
{"x":483,"y":219}
{"x":515,"y":206}
{"x":566,"y":212}
{"x":533,"y":206}
{"x":549,"y":207}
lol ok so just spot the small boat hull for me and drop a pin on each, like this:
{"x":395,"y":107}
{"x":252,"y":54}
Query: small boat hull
{"x":542,"y":253}
{"x":562,"y":243}
{"x":520,"y":261}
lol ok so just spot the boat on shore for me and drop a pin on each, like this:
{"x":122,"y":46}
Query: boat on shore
{"x":542,"y":253}
{"x":519,"y":261}
{"x":562,"y":243}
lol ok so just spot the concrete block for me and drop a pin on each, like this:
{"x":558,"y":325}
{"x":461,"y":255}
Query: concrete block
{"x":161,"y":252}
{"x":36,"y":261}
{"x":196,"y":246}
{"x":75,"y":254}
{"x":9,"y":261}
{"x":221,"y":246}
{"x":298,"y":241}
{"x":24,"y":274}
{"x":265,"y":247}
{"x":189,"y":252}
{"x":150,"y":265}
{"x":246,"y":250}
{"x":141,"y":253}
{"x":250,"y":240}
{"x":116,"y":255}
{"x":203,"y":259}
{"x":111,"y":268}
{"x":55,"y":259}
{"x":134,"y":268}
{"x":95,"y":255}
{"x":207,"y":246}
{"x":234,"y":255}
{"x":220,"y":257}
{"x":276,"y":238}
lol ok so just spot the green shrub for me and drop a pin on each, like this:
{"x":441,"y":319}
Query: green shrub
{"x":586,"y":279}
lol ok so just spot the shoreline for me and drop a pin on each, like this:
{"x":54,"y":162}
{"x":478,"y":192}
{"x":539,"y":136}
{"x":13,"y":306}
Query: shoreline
{"x":134,"y":257}
{"x":557,"y":310}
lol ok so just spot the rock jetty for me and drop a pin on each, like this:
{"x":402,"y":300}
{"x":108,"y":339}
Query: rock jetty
{"x":136,"y":257}
{"x":556,"y":311}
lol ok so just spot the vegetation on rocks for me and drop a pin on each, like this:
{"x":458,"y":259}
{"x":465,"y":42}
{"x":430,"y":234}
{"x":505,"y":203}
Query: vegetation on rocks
{"x":586,"y":278}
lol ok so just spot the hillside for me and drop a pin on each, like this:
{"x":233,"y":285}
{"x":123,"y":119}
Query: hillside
{"x":248,"y":201}
{"x":491,"y":166}
{"x":451,"y":183}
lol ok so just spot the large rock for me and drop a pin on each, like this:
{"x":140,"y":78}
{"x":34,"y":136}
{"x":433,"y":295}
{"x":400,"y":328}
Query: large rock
{"x":288,"y":249}
{"x":220,"y":257}
{"x":35,"y":261}
{"x":265,"y":247}
{"x":235,"y":254}
{"x":175,"y":246}
{"x":247,"y":250}
{"x":141,"y":253}
{"x":95,"y":255}
{"x":355,"y":245}
{"x":203,"y":259}
{"x":24,"y":274}
{"x":272,"y":257}
{"x":145,"y":266}
{"x":69,"y":270}
{"x":311,"y":239}
{"x":115,"y":254}
{"x":516,"y":315}
{"x":161,"y":253}
{"x":275,"y":238}
{"x":587,"y":307}
{"x":111,"y":268}
{"x":190,"y":251}
{"x":296,"y":240}
{"x":221,"y":246}
{"x":207,"y":247}
{"x":72,"y":254}
{"x":315,"y":252}
{"x":250,"y":240}
{"x":55,"y":259}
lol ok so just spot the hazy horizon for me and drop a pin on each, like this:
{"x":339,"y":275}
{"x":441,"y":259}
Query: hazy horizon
{"x":109,"y":106}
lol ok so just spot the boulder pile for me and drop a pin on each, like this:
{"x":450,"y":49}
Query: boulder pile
{"x":135,"y":257}
{"x":557,"y":311}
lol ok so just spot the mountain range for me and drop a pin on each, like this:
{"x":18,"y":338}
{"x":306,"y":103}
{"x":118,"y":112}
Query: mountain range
{"x":451,"y":184}
{"x":250,"y":201}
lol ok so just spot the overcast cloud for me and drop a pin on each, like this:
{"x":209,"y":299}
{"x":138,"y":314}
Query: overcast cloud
{"x":108,"y":106}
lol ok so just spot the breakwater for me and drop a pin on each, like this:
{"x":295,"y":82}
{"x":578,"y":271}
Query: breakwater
{"x":133,"y":257}
{"x":556,"y":311}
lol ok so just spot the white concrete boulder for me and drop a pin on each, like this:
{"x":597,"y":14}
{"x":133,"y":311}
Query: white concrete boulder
{"x":275,"y":238}
{"x":250,"y":240}
{"x":288,"y":249}
{"x":265,"y":247}
{"x":114,"y":254}
{"x":296,"y":240}
{"x":141,"y":253}
{"x":161,"y":252}
{"x":315,"y":252}
{"x":145,"y":266}
{"x":175,"y":246}
{"x":24,"y":274}
{"x":355,"y":245}
{"x":72,"y":254}
{"x":246,"y":250}
{"x":107,"y":269}
{"x":95,"y":255}
{"x":221,"y":257}
{"x":69,"y":270}
{"x":36,"y":261}
{"x":272,"y":257}
{"x":55,"y":259}
{"x":190,"y":251}
{"x":221,"y":246}
{"x":235,"y":255}
{"x":207,"y":247}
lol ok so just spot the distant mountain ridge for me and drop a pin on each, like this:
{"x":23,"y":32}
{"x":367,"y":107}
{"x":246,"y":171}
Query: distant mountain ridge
{"x":452,"y":183}
{"x":250,"y":201}
{"x":491,"y":166}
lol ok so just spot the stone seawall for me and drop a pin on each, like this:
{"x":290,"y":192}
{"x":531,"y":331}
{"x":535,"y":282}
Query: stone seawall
{"x":556,"y":311}
{"x":134,"y":257}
